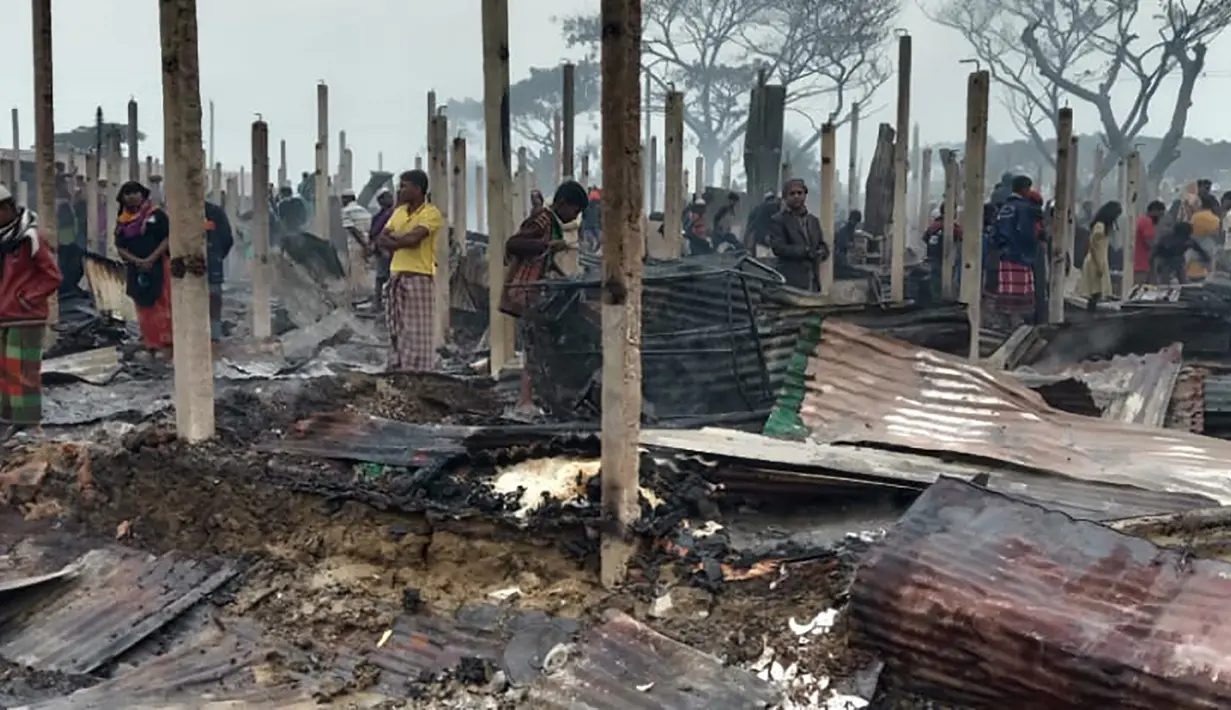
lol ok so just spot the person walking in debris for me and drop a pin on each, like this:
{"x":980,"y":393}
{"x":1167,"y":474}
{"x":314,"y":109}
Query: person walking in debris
{"x":795,"y":236}
{"x":724,"y":220}
{"x":1144,"y":234}
{"x":29,"y":276}
{"x":385,"y":205}
{"x":1096,"y":271}
{"x":142,"y":234}
{"x":1206,"y":228}
{"x":410,"y":236}
{"x":357,"y":222}
{"x":1015,"y":237}
{"x":219,"y":240}
{"x":1167,"y":256}
{"x":934,"y":237}
{"x":529,"y":255}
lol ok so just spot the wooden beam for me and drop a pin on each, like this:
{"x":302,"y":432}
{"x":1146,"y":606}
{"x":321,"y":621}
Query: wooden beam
{"x":133,"y":140}
{"x":499,"y":171}
{"x":262,"y":325}
{"x":585,"y":170}
{"x":673,"y":175}
{"x":557,"y":149}
{"x":726,"y":171}
{"x":901,"y":152}
{"x":14,"y":174}
{"x":852,"y":166}
{"x":45,"y":142}
{"x":623,"y":245}
{"x":972,"y":214}
{"x":1131,"y":213}
{"x":829,"y":196}
{"x":948,"y":252}
{"x":1060,"y":256}
{"x":925,"y":190}
{"x":698,"y":175}
{"x":653,"y":171}
{"x":181,"y":101}
{"x":282,"y":174}
{"x":569,"y":119}
{"x":480,"y":200}
{"x":320,"y":217}
{"x":93,"y":229}
{"x":457,"y":168}
{"x":438,"y":152}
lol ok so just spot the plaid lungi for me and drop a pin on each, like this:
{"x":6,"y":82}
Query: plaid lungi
{"x":408,"y":315}
{"x":21,"y":364}
{"x":1015,"y":293}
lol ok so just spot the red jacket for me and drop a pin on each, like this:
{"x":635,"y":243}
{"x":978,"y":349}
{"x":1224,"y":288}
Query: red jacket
{"x":27,"y":282}
{"x":1144,"y":240}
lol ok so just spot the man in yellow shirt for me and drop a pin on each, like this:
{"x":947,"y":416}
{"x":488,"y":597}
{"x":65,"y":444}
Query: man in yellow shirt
{"x":410,"y":236}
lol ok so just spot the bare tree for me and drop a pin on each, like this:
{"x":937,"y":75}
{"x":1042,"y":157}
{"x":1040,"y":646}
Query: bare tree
{"x":824,"y":52}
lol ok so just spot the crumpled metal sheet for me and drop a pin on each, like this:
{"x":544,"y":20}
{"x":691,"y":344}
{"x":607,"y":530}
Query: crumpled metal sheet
{"x":858,"y":387}
{"x":977,"y":599}
{"x":96,"y":367}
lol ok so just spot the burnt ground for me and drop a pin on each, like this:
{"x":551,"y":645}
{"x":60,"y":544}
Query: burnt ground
{"x":318,"y":570}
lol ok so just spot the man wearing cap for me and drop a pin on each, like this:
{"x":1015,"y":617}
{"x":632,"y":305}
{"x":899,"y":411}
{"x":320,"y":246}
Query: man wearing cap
{"x":29,"y":275}
{"x":357,"y":222}
{"x":795,"y":237}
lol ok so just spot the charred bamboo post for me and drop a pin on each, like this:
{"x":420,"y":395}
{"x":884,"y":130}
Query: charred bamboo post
{"x":1131,"y":212}
{"x":1061,"y":218}
{"x":261,"y":276}
{"x":653,"y":171}
{"x":623,"y":245}
{"x":92,"y":195}
{"x":242,"y":188}
{"x":431,"y":113}
{"x":480,"y":200}
{"x":569,"y":105}
{"x":673,"y":175}
{"x":499,"y":170}
{"x":458,"y":183}
{"x":698,"y":175}
{"x":342,"y":148}
{"x":972,"y":214}
{"x":901,"y":151}
{"x":852,"y":166}
{"x":440,"y":197}
{"x":829,"y":195}
{"x":282,"y":174}
{"x":948,"y":256}
{"x":320,"y":215}
{"x":134,"y":154}
{"x":44,"y":141}
{"x":925,"y":189}
{"x":348,"y":169}
{"x":194,"y":367}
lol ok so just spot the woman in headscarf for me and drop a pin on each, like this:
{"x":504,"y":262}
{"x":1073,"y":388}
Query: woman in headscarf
{"x":142,"y":232}
{"x":1096,"y":270}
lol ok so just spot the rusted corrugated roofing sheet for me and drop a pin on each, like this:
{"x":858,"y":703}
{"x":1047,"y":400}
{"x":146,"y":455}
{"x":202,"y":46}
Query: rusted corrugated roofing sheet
{"x":792,"y":465}
{"x":1187,"y":409}
{"x":858,"y":387}
{"x":117,"y":599}
{"x":96,"y":367}
{"x":980,"y":600}
{"x":422,"y":647}
{"x":625,"y":665}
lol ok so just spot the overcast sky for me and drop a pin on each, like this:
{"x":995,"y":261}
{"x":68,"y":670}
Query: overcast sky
{"x":380,"y":58}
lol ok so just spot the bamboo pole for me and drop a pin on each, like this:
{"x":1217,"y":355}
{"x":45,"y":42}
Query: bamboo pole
{"x":216,"y":179}
{"x":569,"y":105}
{"x":262,"y":326}
{"x":194,"y":381}
{"x":1061,"y":218}
{"x":972,"y":214}
{"x":44,"y":142}
{"x":901,"y":151}
{"x":829,"y":195}
{"x":495,"y":19}
{"x":458,"y":183}
{"x":438,"y":151}
{"x":1131,"y":212}
{"x":134,"y":149}
{"x":623,"y":246}
{"x":418,"y":162}
{"x":852,"y":166}
{"x":948,"y":256}
{"x":320,"y":215}
{"x":673,"y":201}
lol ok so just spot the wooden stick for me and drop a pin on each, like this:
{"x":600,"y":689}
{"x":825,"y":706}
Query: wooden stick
{"x":948,"y":253}
{"x":115,"y":177}
{"x":213,"y":188}
{"x":1131,"y":213}
{"x":194,"y":367}
{"x":829,"y":195}
{"x":1060,"y":220}
{"x":439,"y":150}
{"x":901,"y":151}
{"x":282,"y":174}
{"x":925,"y":190}
{"x":134,"y":150}
{"x":458,"y":184}
{"x":569,"y":105}
{"x":216,"y":179}
{"x":93,"y":229}
{"x":44,"y":143}
{"x":852,"y":166}
{"x":320,"y":218}
{"x":972,"y":214}
{"x":673,"y":200}
{"x":499,"y":171}
{"x":623,"y":245}
{"x":261,"y":276}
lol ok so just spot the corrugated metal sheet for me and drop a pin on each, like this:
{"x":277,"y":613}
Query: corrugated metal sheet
{"x":423,"y":647}
{"x":980,"y":600}
{"x":625,"y":665}
{"x":1128,"y":388}
{"x":1048,"y":347}
{"x":788,"y":466}
{"x":96,"y":367}
{"x":109,"y":285}
{"x":13,"y":580}
{"x":859,"y":387}
{"x":118,"y":599}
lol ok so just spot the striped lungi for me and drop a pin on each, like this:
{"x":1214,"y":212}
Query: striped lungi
{"x":1015,"y":292}
{"x":408,"y":315}
{"x":21,"y":364}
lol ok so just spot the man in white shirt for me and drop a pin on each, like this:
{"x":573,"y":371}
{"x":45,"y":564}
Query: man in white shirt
{"x":357,"y":221}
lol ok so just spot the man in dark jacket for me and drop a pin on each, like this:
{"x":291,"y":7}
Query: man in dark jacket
{"x":218,"y":242}
{"x":1015,"y":235}
{"x":795,"y":237}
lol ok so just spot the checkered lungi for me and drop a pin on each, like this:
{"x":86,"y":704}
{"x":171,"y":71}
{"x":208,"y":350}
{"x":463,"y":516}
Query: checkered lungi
{"x":1015,"y":292}
{"x":408,"y":315}
{"x":21,"y":364}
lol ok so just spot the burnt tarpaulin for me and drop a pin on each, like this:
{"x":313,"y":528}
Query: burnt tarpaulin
{"x":978,"y":599}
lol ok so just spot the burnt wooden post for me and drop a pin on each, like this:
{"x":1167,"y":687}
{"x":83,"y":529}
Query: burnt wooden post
{"x":480,"y":200}
{"x":282,"y":174}
{"x":320,"y":216}
{"x":901,"y":148}
{"x":852,"y":166}
{"x":92,"y":194}
{"x":925,"y":189}
{"x":673,"y":176}
{"x":134,"y":155}
{"x":499,"y":171}
{"x":948,"y":256}
{"x":623,"y":245}
{"x":972,"y":213}
{"x":653,"y":171}
{"x":829,"y":194}
{"x":438,"y":151}
{"x":181,"y":100}
{"x":457,"y":167}
{"x":44,"y":141}
{"x":1132,"y":209}
{"x":1060,"y":219}
{"x":568,"y":120}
